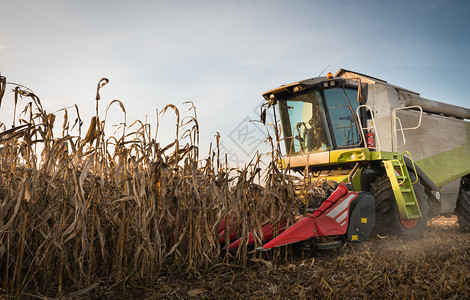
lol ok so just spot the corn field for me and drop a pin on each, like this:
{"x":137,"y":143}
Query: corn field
{"x":82,"y":209}
{"x":75,"y":210}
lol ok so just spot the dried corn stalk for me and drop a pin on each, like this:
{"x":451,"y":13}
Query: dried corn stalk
{"x":77,"y":209}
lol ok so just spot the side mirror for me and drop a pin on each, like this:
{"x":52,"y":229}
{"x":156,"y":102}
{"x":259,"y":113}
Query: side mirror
{"x":3,"y":83}
{"x":263,"y":116}
{"x":362,"y":92}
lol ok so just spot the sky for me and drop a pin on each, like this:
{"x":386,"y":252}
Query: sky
{"x":222,"y":55}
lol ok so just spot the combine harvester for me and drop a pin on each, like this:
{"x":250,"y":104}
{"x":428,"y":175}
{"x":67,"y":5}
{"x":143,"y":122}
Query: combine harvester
{"x":395,"y":159}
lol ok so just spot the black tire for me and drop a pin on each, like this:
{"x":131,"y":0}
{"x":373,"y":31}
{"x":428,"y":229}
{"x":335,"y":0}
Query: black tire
{"x":388,"y":220}
{"x":462,"y":210}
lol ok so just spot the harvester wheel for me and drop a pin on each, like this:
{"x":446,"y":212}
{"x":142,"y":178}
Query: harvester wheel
{"x":462,"y":209}
{"x":388,"y":219}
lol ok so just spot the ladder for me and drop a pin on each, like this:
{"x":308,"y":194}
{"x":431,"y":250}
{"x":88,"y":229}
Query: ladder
{"x":405,"y":197}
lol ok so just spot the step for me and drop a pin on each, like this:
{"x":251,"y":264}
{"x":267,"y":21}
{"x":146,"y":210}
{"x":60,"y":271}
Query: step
{"x":329,"y":245}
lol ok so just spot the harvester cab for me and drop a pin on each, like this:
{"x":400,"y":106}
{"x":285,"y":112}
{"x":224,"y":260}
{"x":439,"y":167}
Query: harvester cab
{"x":319,"y":114}
{"x":328,"y":129}
{"x":360,"y":130}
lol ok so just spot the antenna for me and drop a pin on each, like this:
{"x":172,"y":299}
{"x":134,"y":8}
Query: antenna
{"x":323,"y":70}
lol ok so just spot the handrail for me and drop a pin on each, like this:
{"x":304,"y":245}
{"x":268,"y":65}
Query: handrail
{"x":395,"y":129}
{"x":368,"y":128}
{"x":402,"y":134}
{"x":408,"y":107}
{"x":412,"y":163}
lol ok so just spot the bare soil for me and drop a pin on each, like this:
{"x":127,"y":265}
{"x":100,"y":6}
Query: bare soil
{"x":434,"y":267}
